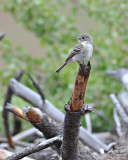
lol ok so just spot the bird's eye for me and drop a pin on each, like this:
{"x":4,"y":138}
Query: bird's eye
{"x":82,"y":37}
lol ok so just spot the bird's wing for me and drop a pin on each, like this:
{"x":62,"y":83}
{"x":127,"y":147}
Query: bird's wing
{"x":75,"y":51}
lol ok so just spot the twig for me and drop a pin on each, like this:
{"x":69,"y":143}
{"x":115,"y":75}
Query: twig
{"x":40,"y":91}
{"x":8,"y":98}
{"x":119,"y":108}
{"x":110,"y":146}
{"x":32,"y":149}
{"x":5,"y":153}
{"x":16,"y":111}
{"x":117,"y":121}
{"x":35,"y":99}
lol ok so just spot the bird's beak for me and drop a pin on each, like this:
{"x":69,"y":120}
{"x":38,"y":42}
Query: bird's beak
{"x":78,"y":38}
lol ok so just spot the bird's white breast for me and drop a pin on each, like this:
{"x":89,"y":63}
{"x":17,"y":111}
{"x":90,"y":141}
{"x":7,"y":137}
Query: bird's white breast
{"x":87,"y":47}
{"x":87,"y":50}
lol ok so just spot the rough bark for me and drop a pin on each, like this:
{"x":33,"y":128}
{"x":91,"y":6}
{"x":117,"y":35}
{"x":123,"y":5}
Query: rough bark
{"x":80,"y":85}
{"x":71,"y":135}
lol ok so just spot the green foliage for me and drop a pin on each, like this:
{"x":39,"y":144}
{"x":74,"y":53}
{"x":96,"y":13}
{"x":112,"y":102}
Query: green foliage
{"x":56,"y":32}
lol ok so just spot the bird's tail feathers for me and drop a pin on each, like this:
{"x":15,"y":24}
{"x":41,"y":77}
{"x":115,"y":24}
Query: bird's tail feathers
{"x":61,"y":67}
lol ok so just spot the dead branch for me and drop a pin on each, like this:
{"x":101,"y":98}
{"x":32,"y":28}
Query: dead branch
{"x":73,"y":115}
{"x":80,"y":85}
{"x":8,"y":99}
{"x":16,"y":111}
{"x":32,"y":149}
{"x":110,"y":146}
{"x":51,"y":129}
{"x":40,"y":91}
{"x":119,"y":108}
{"x":35,"y":99}
{"x":4,"y":154}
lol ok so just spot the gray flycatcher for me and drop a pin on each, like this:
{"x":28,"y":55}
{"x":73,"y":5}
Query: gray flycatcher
{"x":82,"y":51}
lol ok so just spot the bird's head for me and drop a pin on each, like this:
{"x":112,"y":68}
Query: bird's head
{"x":85,"y":37}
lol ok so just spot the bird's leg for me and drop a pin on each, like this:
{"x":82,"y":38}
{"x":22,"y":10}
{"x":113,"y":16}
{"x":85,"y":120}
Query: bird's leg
{"x":80,"y":63}
{"x":88,"y":63}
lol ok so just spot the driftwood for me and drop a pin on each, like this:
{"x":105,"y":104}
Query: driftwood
{"x":48,"y":108}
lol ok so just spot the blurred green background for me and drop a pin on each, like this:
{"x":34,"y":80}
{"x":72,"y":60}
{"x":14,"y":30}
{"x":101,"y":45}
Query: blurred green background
{"x":53,"y":25}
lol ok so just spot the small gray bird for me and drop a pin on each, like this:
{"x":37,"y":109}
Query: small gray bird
{"x":82,"y":51}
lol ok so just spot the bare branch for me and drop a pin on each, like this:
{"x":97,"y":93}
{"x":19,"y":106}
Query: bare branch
{"x":119,"y":108}
{"x":51,"y":129}
{"x":4,"y":154}
{"x":32,"y":149}
{"x":8,"y":98}
{"x":16,"y":111}
{"x":80,"y":85}
{"x":110,"y":146}
{"x":40,"y":91}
